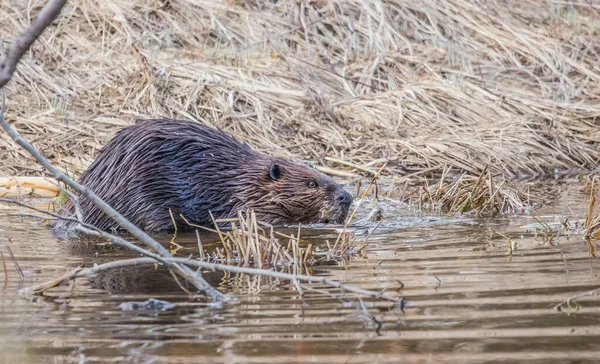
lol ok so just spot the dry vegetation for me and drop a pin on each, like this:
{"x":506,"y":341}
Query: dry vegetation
{"x":590,"y":183}
{"x":483,"y":194}
{"x":424,"y":84}
{"x":251,"y":243}
{"x":592,"y":221}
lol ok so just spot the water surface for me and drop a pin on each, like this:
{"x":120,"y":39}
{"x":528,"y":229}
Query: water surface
{"x":470,"y":300}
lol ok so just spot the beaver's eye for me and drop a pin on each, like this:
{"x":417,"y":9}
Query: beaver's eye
{"x":312,"y":183}
{"x":275,"y":172}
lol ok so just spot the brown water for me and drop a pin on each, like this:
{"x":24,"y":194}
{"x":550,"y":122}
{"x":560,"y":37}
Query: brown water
{"x":470,"y":301}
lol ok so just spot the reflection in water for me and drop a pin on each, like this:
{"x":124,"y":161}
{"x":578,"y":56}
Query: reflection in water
{"x":471,"y":302}
{"x":141,"y":279}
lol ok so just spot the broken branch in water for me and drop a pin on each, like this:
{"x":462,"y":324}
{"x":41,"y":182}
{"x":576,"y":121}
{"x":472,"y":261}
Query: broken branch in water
{"x":85,"y":272}
{"x":94,"y":231}
{"x":21,"y":45}
{"x":570,"y":302}
{"x":5,"y":269}
{"x":14,"y":260}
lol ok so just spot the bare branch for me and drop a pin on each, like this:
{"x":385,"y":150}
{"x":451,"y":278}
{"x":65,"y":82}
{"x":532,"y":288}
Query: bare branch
{"x":25,"y":40}
{"x":571,"y":302}
{"x":5,"y":269}
{"x":52,"y":9}
{"x":227,"y":268}
{"x":21,"y":45}
{"x":14,"y":260}
{"x":117,"y":240}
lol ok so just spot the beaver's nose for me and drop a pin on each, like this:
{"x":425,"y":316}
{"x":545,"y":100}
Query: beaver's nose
{"x":344,"y":197}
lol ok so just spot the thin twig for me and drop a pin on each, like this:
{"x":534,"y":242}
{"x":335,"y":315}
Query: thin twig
{"x":362,"y":198}
{"x":179,"y":283}
{"x":14,"y":260}
{"x":370,"y":233}
{"x":5,"y":269}
{"x":439,"y":282}
{"x":200,"y":247}
{"x":568,"y":302}
{"x":300,"y":292}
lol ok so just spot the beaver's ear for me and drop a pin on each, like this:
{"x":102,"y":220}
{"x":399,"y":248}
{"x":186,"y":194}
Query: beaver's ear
{"x":275,"y":172}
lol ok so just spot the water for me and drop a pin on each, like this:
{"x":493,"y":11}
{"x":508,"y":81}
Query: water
{"x":471,"y":302}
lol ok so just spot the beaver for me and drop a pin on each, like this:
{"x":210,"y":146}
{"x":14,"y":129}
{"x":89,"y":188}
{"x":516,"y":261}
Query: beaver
{"x":161,"y":166}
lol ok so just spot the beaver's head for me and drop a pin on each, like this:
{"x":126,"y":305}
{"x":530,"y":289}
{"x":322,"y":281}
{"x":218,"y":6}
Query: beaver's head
{"x":290,"y":192}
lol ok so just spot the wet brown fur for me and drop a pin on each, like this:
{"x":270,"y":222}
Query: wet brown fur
{"x":157,"y":165}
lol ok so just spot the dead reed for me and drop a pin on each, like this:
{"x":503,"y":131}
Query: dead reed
{"x":590,"y":183}
{"x":18,"y":268}
{"x":252,"y":243}
{"x":592,"y":221}
{"x":484,"y":195}
{"x":419,"y":85}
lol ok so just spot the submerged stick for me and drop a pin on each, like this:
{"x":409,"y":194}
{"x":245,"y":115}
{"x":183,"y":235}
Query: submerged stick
{"x":568,"y":302}
{"x":94,"y":231}
{"x":15,"y":263}
{"x":5,"y":269}
{"x":226,"y":268}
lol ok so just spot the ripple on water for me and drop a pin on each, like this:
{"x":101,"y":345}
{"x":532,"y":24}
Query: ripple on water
{"x":471,"y":301}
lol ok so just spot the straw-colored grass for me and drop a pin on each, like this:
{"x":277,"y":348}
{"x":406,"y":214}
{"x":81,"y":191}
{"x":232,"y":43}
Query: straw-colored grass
{"x":252,"y":243}
{"x":484,"y":195}
{"x":592,"y":221}
{"x":420,"y":84}
{"x":590,"y":183}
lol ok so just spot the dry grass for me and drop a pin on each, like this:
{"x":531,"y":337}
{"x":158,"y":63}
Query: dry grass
{"x":419,"y":84}
{"x":251,"y":243}
{"x":592,"y":221}
{"x":485,"y":195}
{"x":590,"y":183}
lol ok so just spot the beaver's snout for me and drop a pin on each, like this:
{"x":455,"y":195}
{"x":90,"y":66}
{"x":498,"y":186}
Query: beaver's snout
{"x":343,"y":197}
{"x":343,"y":200}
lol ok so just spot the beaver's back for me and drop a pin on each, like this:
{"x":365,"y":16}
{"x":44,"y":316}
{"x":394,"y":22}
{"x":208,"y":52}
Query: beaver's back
{"x":146,"y":169}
